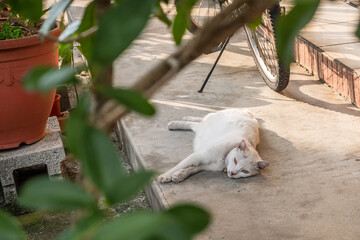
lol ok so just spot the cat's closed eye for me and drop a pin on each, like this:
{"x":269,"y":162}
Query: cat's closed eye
{"x":244,"y":171}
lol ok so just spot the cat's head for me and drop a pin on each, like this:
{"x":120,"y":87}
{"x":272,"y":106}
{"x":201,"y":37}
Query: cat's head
{"x":244,"y":161}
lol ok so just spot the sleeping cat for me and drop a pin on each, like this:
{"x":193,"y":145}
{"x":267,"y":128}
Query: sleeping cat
{"x":225,"y":140}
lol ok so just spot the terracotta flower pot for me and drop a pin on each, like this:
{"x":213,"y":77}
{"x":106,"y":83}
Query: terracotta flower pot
{"x":23,"y":115}
{"x":55,"y":111}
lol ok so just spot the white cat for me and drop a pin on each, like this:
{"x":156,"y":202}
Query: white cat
{"x":225,"y":140}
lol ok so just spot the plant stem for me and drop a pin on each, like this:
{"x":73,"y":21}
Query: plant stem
{"x":104,"y":77}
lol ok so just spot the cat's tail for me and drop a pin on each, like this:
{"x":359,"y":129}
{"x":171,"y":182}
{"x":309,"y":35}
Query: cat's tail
{"x":182,"y":126}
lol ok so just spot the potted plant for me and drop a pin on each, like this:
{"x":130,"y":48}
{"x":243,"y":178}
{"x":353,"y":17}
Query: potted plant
{"x":23,"y":115}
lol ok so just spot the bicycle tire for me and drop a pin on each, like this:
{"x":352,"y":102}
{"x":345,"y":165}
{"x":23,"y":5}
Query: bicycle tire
{"x":208,"y":8}
{"x":263,"y":48}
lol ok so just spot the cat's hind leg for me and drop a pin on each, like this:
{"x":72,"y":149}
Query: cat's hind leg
{"x":192,"y":119}
{"x":182,"y":125}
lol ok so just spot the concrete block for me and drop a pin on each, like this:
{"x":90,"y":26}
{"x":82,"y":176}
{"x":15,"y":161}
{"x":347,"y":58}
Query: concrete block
{"x":48,"y":151}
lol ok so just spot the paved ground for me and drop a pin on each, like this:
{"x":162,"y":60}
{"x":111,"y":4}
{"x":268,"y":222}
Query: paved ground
{"x":309,"y":134}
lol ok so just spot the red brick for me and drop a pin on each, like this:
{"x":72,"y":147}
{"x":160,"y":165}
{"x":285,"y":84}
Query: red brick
{"x":308,"y":57}
{"x":301,"y":52}
{"x":330,"y":69}
{"x":322,"y":66}
{"x":318,"y":71}
{"x":356,"y":90}
{"x":326,"y":69}
{"x":345,"y":91}
{"x":350,"y":82}
{"x":339,"y":79}
{"x":296,"y":50}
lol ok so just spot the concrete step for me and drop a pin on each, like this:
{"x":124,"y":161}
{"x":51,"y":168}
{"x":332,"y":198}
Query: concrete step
{"x":328,"y":48}
{"x":308,"y":133}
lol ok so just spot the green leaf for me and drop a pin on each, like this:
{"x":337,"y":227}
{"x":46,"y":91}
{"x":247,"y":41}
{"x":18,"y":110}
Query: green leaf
{"x":255,"y":23}
{"x":180,"y":25}
{"x":130,"y":98}
{"x":55,"y":10}
{"x":9,"y":228}
{"x":357,"y":33}
{"x":160,"y":14}
{"x":192,"y":219}
{"x":182,"y":18}
{"x":65,"y":52}
{"x":83,"y":229}
{"x":30,"y":9}
{"x":289,"y":26}
{"x":89,"y":20}
{"x":45,"y":78}
{"x":69,"y":30}
{"x":135,"y":226}
{"x":127,"y":186}
{"x":119,"y":27}
{"x":170,"y":225}
{"x":100,"y":160}
{"x":55,"y":194}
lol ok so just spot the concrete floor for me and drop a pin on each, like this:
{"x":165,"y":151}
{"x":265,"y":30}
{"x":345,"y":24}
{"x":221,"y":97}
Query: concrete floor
{"x":310,"y":135}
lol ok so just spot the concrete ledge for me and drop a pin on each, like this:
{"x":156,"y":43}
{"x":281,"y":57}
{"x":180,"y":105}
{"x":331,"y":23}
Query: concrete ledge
{"x":337,"y":75}
{"x":153,"y":192}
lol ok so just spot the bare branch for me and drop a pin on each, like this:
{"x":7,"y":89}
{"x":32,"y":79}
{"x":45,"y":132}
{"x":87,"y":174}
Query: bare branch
{"x":225,"y":24}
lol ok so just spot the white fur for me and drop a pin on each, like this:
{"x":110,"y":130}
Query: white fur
{"x":220,"y":138}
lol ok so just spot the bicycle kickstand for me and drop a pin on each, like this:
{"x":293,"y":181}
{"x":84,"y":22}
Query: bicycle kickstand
{"x":213,"y":67}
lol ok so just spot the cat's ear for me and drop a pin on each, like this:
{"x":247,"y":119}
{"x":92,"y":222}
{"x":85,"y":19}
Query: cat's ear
{"x":262,"y":164}
{"x":242,"y":145}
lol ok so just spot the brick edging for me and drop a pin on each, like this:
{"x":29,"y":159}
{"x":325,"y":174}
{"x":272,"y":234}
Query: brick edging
{"x":334,"y":73}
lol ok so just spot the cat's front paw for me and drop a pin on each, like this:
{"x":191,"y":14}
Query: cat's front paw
{"x":173,"y":125}
{"x":164,"y":178}
{"x":179,"y":176}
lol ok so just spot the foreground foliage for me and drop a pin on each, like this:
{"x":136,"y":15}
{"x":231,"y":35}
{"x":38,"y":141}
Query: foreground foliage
{"x":104,"y":33}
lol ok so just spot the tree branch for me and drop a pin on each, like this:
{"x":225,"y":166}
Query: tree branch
{"x":225,"y":24}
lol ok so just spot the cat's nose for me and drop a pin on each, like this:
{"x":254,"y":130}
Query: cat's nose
{"x":232,"y":173}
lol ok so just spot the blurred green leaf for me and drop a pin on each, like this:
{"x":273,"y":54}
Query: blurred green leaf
{"x":30,"y":9}
{"x":160,"y":14}
{"x":182,"y":19}
{"x":289,"y":26}
{"x":69,"y":30}
{"x":130,"y":98}
{"x":89,"y":20}
{"x":54,"y":194}
{"x":178,"y":223}
{"x":100,"y":160}
{"x":83,"y":229}
{"x":65,"y":52}
{"x":179,"y":26}
{"x":55,"y":10}
{"x":192,"y":219}
{"x":135,"y":226}
{"x":127,"y":186}
{"x":45,"y":78}
{"x":255,"y":23}
{"x":119,"y":27}
{"x":9,"y":228}
{"x":357,"y":33}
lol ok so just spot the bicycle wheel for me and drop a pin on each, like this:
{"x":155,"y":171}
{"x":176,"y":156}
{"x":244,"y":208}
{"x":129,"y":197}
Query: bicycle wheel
{"x":262,"y":42}
{"x":202,"y":12}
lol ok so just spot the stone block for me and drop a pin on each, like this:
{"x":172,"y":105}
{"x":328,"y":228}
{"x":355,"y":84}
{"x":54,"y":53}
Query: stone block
{"x":49,"y":151}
